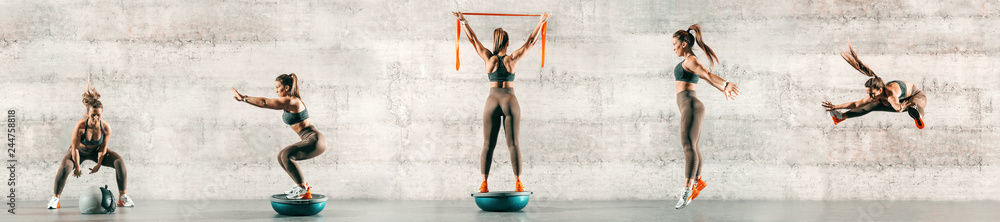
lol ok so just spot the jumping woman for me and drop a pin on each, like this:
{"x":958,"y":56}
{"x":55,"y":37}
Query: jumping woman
{"x":90,"y":142}
{"x":895,"y":96}
{"x":686,"y":75}
{"x":501,"y":104}
{"x":294,"y":114}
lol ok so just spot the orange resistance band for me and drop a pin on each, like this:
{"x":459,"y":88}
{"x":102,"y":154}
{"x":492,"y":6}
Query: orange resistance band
{"x":458,"y":37}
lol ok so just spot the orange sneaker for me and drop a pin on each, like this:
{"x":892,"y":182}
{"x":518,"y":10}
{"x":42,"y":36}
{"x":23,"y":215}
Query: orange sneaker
{"x":915,"y":114}
{"x":309,"y":194}
{"x":518,"y":187}
{"x":837,"y":117}
{"x":482,"y":188}
{"x":699,"y":185}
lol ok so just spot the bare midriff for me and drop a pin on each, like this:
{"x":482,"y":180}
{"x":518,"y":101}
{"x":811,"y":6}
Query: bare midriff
{"x":681,"y":86}
{"x":502,"y":84}
{"x":301,"y":125}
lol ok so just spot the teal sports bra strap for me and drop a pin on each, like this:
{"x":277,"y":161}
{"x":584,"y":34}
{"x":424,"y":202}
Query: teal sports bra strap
{"x":902,"y":88}
{"x":294,"y":118}
{"x":681,"y":74}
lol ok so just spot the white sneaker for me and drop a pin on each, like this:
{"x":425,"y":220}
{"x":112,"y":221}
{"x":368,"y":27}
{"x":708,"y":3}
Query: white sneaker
{"x":295,"y":193}
{"x":292,"y":189}
{"x":685,"y":198}
{"x":54,"y":203}
{"x":837,"y":114}
{"x":125,"y":201}
{"x":837,"y":117}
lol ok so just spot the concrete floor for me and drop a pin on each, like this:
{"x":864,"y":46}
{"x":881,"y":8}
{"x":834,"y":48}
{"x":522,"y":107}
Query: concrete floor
{"x":380,"y":210}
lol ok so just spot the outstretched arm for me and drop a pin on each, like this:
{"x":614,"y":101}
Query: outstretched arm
{"x":532,"y":39}
{"x":261,"y":102}
{"x":471,"y":35}
{"x":729,"y":89}
{"x":850,"y":105}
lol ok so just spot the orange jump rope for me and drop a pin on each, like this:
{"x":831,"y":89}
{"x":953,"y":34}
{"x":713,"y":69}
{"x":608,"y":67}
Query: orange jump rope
{"x":458,"y":37}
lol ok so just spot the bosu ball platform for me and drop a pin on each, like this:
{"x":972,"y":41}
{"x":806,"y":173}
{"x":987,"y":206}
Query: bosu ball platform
{"x":298,"y":207}
{"x":502,"y":201}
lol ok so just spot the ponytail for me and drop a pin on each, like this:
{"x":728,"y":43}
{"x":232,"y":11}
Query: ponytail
{"x":90,"y":99}
{"x":499,"y":40}
{"x":691,"y":39}
{"x":852,"y":58}
{"x":295,"y":86}
{"x":291,"y":81}
{"x":712,"y":59}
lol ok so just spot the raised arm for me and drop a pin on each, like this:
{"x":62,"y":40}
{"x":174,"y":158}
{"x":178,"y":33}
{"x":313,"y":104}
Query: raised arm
{"x":518,"y":54}
{"x":261,"y":102}
{"x":471,"y":35}
{"x":729,"y":89}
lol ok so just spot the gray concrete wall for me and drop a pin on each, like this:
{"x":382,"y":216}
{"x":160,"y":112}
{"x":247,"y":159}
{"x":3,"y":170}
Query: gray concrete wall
{"x":600,"y":120}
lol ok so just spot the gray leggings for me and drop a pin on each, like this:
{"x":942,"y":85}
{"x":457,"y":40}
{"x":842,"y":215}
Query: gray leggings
{"x":313,"y":144}
{"x":916,"y":110}
{"x":111,"y":159}
{"x":502,"y":110}
{"x":692,"y":113}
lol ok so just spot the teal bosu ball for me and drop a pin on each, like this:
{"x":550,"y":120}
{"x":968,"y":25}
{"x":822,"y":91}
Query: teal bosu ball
{"x":293,"y":207}
{"x":502,"y":201}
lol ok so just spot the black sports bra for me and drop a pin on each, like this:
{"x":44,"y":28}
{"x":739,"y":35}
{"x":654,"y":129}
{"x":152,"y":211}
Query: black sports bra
{"x":902,"y":87}
{"x":501,"y":74}
{"x":87,"y":142}
{"x":681,"y":74}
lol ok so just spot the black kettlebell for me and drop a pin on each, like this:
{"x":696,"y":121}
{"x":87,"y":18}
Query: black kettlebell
{"x":108,"y":201}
